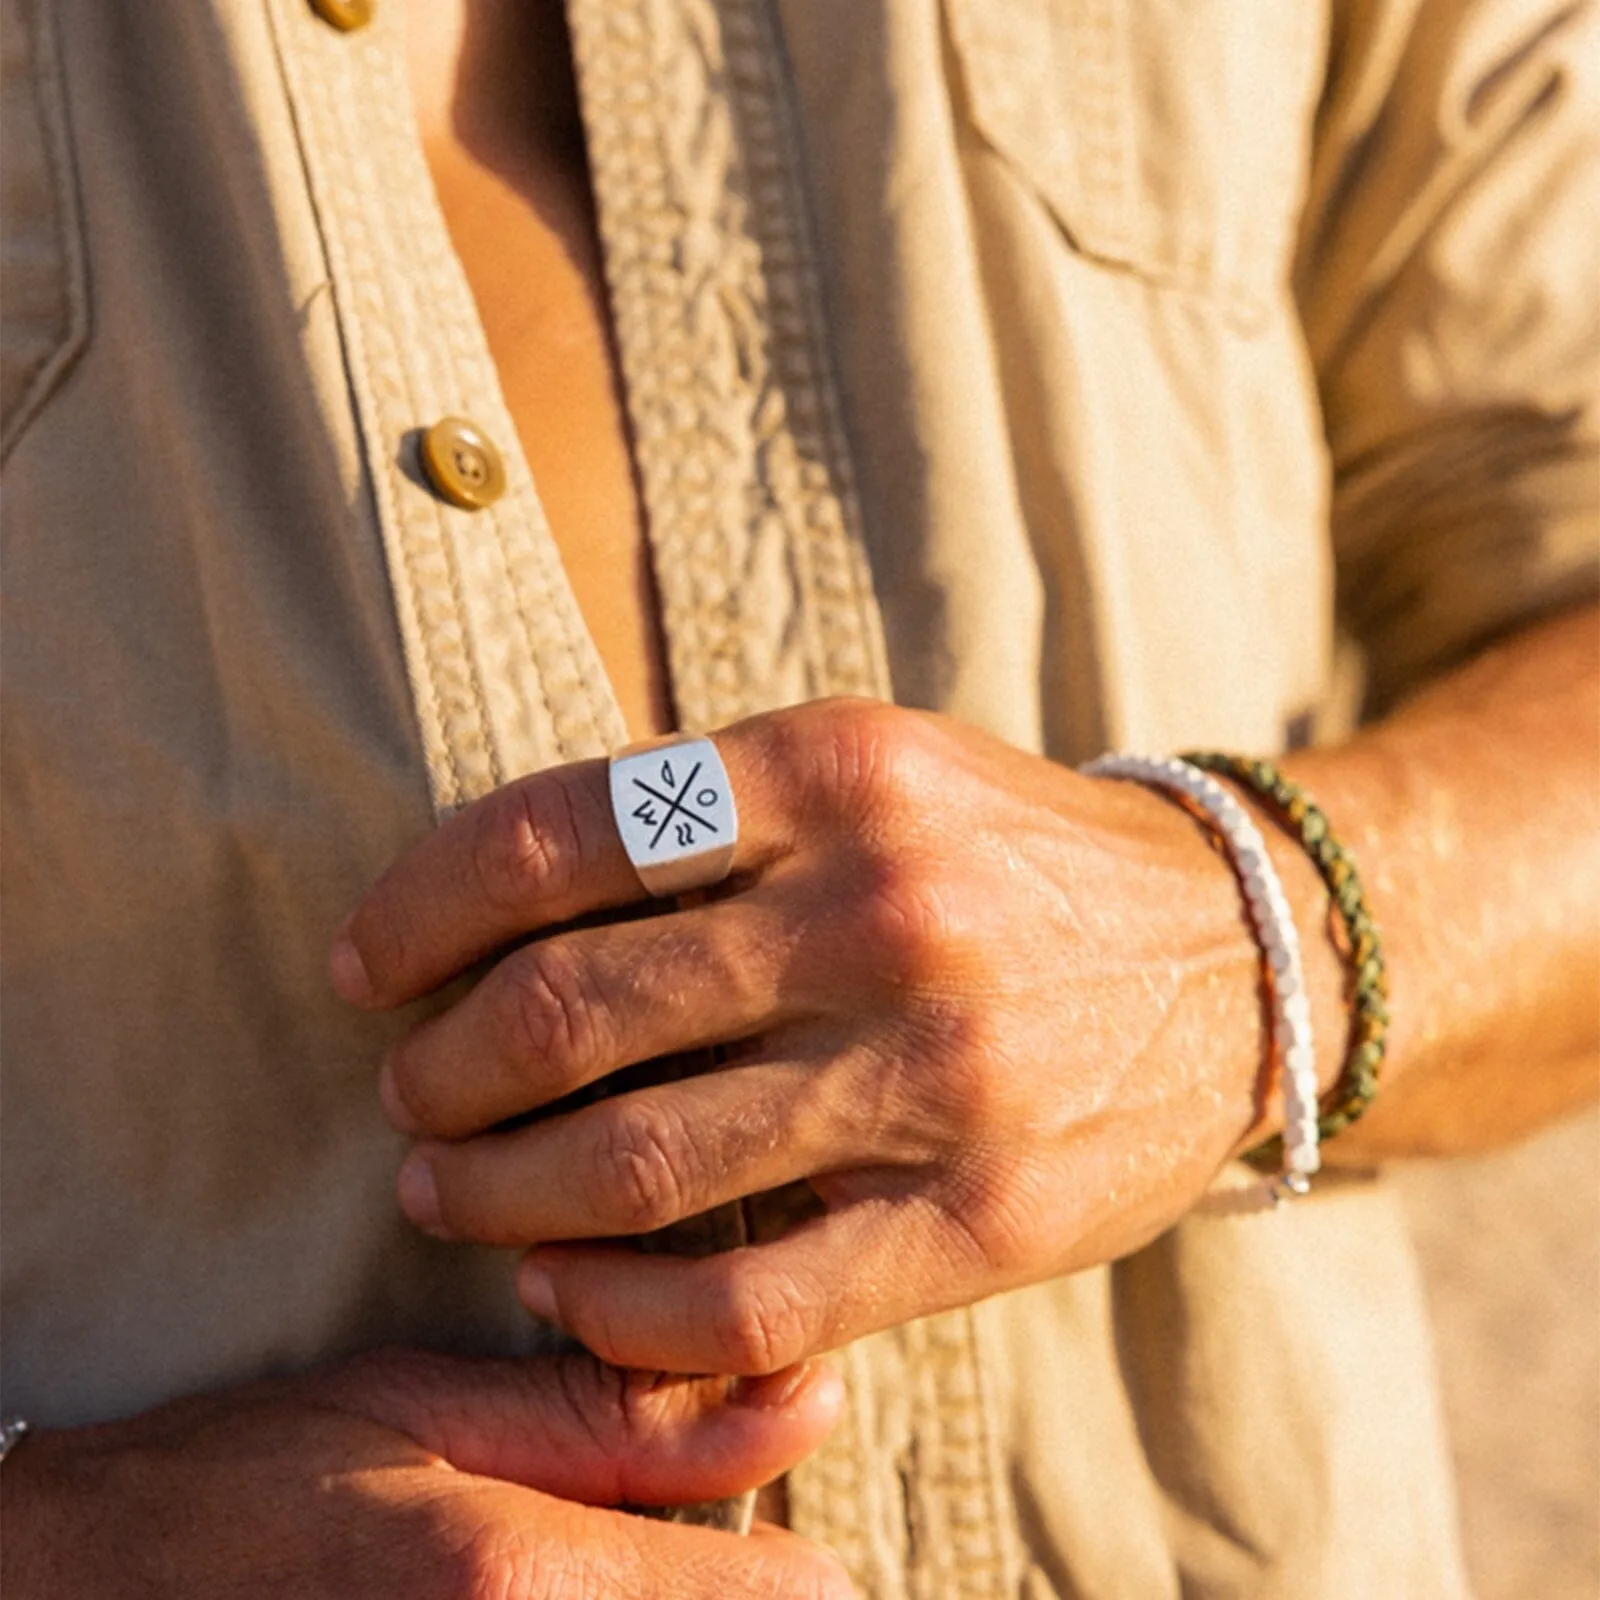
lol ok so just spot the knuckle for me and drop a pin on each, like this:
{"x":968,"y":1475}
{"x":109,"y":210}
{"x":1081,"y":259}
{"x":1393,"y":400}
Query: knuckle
{"x":596,"y":1397}
{"x":559,"y":1018}
{"x":646,"y":1168}
{"x":998,"y":1214}
{"x":829,"y":757}
{"x":622,"y":1410}
{"x":970,"y":1078}
{"x":759,"y":1324}
{"x":529,"y":845}
{"x":733,"y":964}
{"x":861,"y":745}
{"x":909,"y":927}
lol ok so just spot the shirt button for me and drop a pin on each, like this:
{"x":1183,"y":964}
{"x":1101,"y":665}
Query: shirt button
{"x":345,"y":15}
{"x":462,"y":465}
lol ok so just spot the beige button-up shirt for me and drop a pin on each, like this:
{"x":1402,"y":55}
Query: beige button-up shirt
{"x":1100,"y":372}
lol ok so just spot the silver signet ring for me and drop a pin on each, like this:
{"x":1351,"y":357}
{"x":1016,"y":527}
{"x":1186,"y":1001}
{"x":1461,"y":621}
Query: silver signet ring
{"x":674,"y":809}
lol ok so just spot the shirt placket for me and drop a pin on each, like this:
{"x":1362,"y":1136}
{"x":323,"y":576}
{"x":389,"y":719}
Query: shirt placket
{"x":504,"y":675}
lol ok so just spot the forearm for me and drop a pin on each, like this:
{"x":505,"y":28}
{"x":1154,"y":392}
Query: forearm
{"x":1472,"y":814}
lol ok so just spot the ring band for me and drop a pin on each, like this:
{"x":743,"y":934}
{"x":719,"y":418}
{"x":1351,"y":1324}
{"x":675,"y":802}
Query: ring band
{"x":674,"y":809}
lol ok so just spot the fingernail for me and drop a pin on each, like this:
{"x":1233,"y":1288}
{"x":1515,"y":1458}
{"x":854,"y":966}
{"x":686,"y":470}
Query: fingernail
{"x":536,"y":1288}
{"x":393,"y":1107}
{"x":419,"y":1193}
{"x":348,"y":969}
{"x":770,"y":1393}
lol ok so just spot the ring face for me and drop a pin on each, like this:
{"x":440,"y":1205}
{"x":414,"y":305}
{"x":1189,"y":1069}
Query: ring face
{"x":674,"y":809}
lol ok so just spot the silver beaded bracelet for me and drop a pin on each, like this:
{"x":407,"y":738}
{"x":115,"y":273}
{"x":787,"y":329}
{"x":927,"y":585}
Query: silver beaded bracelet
{"x":1276,"y":934}
{"x":11,"y":1430}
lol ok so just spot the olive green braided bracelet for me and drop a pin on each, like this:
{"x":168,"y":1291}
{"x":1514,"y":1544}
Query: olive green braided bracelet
{"x":1369,"y":1011}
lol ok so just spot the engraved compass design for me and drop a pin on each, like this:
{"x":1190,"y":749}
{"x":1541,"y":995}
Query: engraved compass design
{"x":673,"y":803}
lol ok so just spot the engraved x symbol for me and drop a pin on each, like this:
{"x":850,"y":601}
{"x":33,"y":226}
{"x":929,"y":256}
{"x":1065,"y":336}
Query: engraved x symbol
{"x":675,"y":803}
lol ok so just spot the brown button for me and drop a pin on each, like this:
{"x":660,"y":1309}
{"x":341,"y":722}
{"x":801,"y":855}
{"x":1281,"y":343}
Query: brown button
{"x":345,"y":15}
{"x":461,"y":463}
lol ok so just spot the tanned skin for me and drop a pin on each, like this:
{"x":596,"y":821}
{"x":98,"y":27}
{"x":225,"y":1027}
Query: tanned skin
{"x":1006,"y":1019}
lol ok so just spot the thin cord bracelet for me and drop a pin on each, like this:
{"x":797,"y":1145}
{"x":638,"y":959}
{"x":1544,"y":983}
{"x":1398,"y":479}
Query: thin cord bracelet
{"x":1369,"y":994}
{"x":1296,"y":1150}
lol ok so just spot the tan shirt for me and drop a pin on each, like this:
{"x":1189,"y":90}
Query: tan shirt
{"x":997,"y":302}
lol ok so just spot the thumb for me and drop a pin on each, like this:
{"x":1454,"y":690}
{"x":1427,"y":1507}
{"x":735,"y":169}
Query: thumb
{"x":573,"y":1427}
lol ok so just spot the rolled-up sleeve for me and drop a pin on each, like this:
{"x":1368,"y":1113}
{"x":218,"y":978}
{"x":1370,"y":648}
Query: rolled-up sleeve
{"x":1448,"y":283}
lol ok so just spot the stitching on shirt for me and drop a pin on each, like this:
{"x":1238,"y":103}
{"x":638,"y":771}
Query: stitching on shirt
{"x":457,"y":614}
{"x":850,"y":627}
{"x":956,"y":1508}
{"x":737,"y":431}
{"x":411,"y":220}
{"x":1096,"y":49}
{"x":387,"y":199}
{"x":446,"y":780}
{"x":579,"y":712}
{"x":472,"y":732}
{"x":430,"y":636}
{"x":629,"y":161}
{"x":470,"y":378}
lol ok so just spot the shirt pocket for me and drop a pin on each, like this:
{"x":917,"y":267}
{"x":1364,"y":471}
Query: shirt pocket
{"x":1166,"y":137}
{"x":44,"y":303}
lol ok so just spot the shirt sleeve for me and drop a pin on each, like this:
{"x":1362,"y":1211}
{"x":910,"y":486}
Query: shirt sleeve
{"x":1448,"y":279}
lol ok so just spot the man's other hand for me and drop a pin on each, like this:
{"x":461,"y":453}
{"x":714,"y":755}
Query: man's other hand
{"x":420,"y":1477}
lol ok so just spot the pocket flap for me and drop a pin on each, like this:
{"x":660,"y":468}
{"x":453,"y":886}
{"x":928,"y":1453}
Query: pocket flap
{"x":1169,"y":138}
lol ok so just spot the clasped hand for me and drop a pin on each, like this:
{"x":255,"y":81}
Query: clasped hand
{"x":1001,"y":1017}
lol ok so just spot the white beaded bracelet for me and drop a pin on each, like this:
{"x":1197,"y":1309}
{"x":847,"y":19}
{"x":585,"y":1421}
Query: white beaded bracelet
{"x":1276,"y":933}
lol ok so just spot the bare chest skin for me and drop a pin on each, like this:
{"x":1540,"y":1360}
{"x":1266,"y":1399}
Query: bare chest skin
{"x":492,"y":83}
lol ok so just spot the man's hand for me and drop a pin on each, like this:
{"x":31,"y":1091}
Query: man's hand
{"x":1004,"y":1019}
{"x":404,"y":1476}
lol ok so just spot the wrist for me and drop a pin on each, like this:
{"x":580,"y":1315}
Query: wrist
{"x":1204,"y":945}
{"x":1234,"y":1025}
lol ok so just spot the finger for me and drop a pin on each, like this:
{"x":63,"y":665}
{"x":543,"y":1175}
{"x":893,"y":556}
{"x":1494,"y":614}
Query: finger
{"x":569,"y":1426}
{"x":573,"y":1007}
{"x":635,"y":1163}
{"x":535,"y":853}
{"x":625,"y":1555}
{"x":757,"y":1309}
